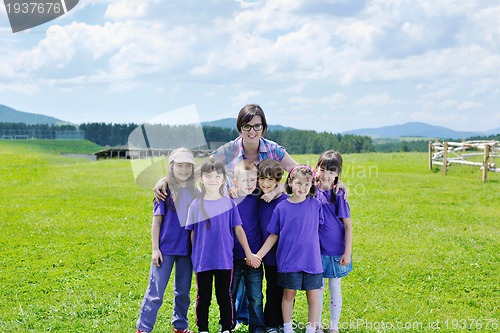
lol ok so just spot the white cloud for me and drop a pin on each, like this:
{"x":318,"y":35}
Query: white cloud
{"x":19,"y":88}
{"x":438,"y":118}
{"x":438,"y":57}
{"x":334,"y":100}
{"x":466,"y":105}
{"x":128,"y":9}
{"x":372,"y":100}
{"x":439,"y":93}
{"x":245,"y":97}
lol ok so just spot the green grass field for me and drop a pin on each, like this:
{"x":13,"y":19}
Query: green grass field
{"x":75,"y":244}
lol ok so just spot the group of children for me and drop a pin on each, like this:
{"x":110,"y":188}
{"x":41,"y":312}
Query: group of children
{"x":300,"y":237}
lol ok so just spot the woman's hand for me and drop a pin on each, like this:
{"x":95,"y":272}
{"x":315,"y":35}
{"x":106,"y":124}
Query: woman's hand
{"x":160,"y":189}
{"x":342,"y":186}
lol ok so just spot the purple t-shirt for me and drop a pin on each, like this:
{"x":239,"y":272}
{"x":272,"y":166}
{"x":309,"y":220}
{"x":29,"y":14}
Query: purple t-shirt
{"x":331,"y":232}
{"x":265,"y":210}
{"x":213,"y":246}
{"x":174,"y":238}
{"x":247,"y":208}
{"x":297,"y":225}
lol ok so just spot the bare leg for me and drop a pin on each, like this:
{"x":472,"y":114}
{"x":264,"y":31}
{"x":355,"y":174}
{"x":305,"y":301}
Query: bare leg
{"x":313,"y":306}
{"x":287,"y":304}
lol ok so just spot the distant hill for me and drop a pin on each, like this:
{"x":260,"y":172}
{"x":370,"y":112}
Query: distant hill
{"x":417,"y":129}
{"x":492,"y":132}
{"x":9,"y":115}
{"x":231,"y":123}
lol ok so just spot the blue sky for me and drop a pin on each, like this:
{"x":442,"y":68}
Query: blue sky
{"x":331,"y":65}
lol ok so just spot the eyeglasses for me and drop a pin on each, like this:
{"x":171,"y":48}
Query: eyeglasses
{"x":256,"y":127}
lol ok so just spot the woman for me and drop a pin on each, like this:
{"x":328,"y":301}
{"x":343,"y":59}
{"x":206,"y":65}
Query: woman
{"x":250,"y":145}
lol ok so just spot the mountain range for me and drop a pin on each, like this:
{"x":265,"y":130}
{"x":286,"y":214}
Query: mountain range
{"x":418,"y":129}
{"x":411,"y":129}
{"x":231,"y":123}
{"x":10,"y":115}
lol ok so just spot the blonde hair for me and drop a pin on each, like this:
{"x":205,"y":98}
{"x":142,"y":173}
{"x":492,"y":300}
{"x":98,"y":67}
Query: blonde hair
{"x":245,"y":165}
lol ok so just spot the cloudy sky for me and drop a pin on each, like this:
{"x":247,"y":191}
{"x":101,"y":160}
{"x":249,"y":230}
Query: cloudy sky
{"x":331,"y":65}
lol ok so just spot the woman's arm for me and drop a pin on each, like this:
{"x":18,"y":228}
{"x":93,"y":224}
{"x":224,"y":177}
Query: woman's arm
{"x":160,"y":189}
{"x":288,"y":163}
{"x":341,"y":186}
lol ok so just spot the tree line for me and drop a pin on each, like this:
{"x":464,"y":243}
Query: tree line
{"x":295,"y":141}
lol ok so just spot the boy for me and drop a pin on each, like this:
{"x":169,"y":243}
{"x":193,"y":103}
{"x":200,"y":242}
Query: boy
{"x":245,"y":179}
{"x":269,"y":176}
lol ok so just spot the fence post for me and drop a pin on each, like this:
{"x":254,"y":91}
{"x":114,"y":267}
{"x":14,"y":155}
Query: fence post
{"x":445,"y":157}
{"x":430,"y":155}
{"x":485,"y":161}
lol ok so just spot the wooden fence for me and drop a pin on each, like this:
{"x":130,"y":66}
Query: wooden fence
{"x":447,"y":153}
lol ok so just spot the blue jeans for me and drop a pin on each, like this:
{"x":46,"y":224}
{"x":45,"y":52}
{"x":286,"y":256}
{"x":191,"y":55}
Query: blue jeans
{"x":158,"y":280}
{"x":241,"y":303}
{"x":253,"y":284}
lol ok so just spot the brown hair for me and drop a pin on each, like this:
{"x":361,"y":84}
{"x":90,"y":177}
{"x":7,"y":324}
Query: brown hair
{"x":247,"y":113}
{"x":306,"y":171}
{"x":271,"y":169}
{"x":212,"y":164}
{"x":331,"y":161}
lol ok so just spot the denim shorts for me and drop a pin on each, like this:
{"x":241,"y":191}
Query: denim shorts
{"x":300,"y":281}
{"x":332,"y":267}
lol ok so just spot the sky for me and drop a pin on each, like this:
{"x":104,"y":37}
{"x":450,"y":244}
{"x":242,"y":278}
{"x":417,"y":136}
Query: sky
{"x":326,"y":65}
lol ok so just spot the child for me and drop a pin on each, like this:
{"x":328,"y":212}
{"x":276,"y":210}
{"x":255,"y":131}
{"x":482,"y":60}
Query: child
{"x":270,"y":174}
{"x":296,"y":221}
{"x":171,"y":245}
{"x":335,"y":234}
{"x":245,"y":179}
{"x":212,"y":219}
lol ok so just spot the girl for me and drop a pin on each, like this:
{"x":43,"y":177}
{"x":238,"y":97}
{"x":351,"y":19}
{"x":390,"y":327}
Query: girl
{"x":270,"y":174}
{"x":296,"y":221}
{"x":249,"y":145}
{"x":335,"y":234}
{"x":212,"y":219}
{"x":171,"y":245}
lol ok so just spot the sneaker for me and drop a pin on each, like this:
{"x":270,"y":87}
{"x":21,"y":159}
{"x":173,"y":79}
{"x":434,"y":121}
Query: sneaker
{"x":186,"y":330}
{"x":140,"y":331}
{"x":273,"y":330}
{"x":238,"y":326}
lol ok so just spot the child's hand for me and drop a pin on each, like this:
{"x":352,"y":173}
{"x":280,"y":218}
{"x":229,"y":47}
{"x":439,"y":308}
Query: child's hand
{"x":345,"y":260}
{"x":157,"y":258}
{"x":233,"y":192}
{"x":253,"y":261}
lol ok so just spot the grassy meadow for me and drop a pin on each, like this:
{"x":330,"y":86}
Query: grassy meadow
{"x":75,"y":244}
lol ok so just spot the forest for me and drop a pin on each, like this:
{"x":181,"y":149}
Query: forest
{"x":295,"y":141}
